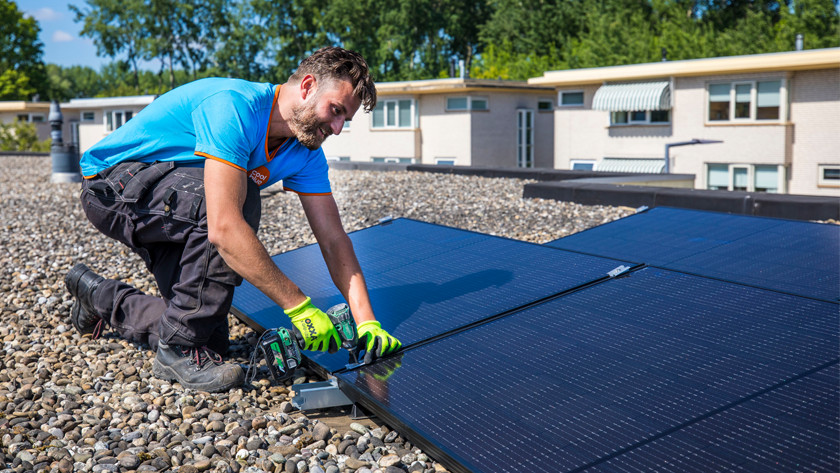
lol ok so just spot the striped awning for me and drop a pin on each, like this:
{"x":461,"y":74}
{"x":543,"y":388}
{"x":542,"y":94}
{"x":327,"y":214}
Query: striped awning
{"x":637,"y":165}
{"x":633,"y":96}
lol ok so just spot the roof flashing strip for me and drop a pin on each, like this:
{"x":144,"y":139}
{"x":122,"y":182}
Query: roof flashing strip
{"x":633,"y":96}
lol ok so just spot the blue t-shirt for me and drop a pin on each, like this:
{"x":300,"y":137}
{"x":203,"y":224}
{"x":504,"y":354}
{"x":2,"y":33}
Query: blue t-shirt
{"x":222,"y":119}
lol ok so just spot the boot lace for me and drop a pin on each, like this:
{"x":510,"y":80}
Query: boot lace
{"x":97,"y":330}
{"x":201,"y":356}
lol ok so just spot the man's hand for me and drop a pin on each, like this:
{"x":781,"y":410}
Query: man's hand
{"x":318,"y":331}
{"x":376,"y":341}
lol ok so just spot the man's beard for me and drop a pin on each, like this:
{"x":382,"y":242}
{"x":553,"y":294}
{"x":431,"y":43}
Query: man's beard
{"x":306,"y":126}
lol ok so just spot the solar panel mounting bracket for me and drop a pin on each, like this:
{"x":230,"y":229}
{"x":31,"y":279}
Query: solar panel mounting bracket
{"x":618,"y":271}
{"x":319,"y":395}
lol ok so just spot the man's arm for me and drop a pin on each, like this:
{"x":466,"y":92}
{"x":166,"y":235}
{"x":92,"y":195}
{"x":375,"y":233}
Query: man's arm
{"x":322,"y":214}
{"x":225,"y":190}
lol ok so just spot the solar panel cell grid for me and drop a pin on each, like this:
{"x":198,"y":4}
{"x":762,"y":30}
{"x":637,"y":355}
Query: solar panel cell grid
{"x":792,"y":428}
{"x":425,"y":280}
{"x":576,"y":376}
{"x":795,"y":257}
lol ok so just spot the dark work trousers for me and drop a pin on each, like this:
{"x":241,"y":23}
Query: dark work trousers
{"x":158,"y":211}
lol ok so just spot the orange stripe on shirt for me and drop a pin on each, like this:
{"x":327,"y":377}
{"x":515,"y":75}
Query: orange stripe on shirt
{"x":208,"y":156}
{"x":270,"y":156}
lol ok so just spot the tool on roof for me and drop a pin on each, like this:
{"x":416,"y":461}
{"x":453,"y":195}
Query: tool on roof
{"x":281,"y":347}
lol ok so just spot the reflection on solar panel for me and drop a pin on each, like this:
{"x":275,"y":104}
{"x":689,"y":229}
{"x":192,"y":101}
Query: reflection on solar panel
{"x":425,"y":280}
{"x":795,"y":257}
{"x":596,"y":375}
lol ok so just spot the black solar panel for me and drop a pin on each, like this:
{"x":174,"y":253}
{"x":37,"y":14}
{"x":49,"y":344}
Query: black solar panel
{"x":598,"y":373}
{"x":425,"y":280}
{"x":792,"y":428}
{"x":796,"y":257}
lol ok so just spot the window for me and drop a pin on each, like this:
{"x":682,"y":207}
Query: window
{"x":88,"y":116}
{"x":393,"y":114}
{"x":640,"y":117}
{"x":31,"y":117}
{"x":445,"y":161}
{"x":116,"y":118}
{"x":745,"y":177}
{"x":829,"y":175}
{"x":582,"y":164}
{"x":745,"y":101}
{"x":454,"y":104}
{"x":570,"y":98}
{"x":545,"y":106}
{"x":338,"y":158}
{"x":525,"y":138}
{"x":393,"y":160}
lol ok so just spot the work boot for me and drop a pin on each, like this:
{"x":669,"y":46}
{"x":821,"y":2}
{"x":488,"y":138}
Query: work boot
{"x":81,"y":282}
{"x":197,"y":368}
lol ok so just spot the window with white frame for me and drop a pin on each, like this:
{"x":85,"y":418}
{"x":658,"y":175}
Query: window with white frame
{"x":338,"y":158}
{"x":745,"y":177}
{"x":445,"y":161}
{"x":641,"y":117}
{"x":116,"y":118}
{"x":393,"y":114}
{"x":745,"y":101}
{"x":582,"y":164}
{"x":829,"y":175}
{"x":88,"y":116}
{"x":454,"y":104}
{"x":393,"y":160}
{"x":570,"y":98}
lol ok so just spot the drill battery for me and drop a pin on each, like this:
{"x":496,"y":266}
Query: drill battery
{"x":281,"y":353}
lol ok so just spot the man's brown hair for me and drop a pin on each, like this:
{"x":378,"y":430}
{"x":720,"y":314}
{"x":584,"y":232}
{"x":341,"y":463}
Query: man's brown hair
{"x":332,"y":63}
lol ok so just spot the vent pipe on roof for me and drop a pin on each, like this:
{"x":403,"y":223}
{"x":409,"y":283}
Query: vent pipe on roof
{"x":800,"y":42}
{"x":664,"y":54}
{"x":65,"y":159}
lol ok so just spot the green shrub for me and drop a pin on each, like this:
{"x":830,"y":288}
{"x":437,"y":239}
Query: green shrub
{"x":21,"y":136}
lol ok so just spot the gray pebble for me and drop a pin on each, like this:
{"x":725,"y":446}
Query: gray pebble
{"x":357,"y":427}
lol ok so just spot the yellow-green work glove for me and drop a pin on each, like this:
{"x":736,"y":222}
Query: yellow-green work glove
{"x":376,"y":341}
{"x":318,"y":331}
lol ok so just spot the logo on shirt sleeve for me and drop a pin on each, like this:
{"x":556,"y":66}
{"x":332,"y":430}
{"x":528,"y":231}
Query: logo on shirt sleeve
{"x":259,"y":175}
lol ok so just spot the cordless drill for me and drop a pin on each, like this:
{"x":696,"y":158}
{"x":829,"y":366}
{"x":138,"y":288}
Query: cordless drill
{"x":281,"y":347}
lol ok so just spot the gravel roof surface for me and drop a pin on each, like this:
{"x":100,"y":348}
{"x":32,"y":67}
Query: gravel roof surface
{"x":70,"y":403}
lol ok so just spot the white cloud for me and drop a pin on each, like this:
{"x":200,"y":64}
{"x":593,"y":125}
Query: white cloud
{"x":45,"y":14}
{"x":62,"y":37}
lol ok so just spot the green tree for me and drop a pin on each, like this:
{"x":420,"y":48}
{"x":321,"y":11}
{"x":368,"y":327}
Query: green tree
{"x":817,"y":20}
{"x":182,"y":32}
{"x":22,"y":71}
{"x":117,"y":27}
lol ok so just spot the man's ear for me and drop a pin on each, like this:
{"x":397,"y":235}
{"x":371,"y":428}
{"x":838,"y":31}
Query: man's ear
{"x":308,"y":85}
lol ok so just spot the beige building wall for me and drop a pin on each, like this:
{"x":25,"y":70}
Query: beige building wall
{"x":494,"y":133}
{"x":360,"y":142}
{"x":815,"y":113}
{"x":752,"y":142}
{"x":580,"y":133}
{"x":444,"y":135}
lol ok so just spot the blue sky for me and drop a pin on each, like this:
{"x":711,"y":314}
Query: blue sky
{"x":60,"y":34}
